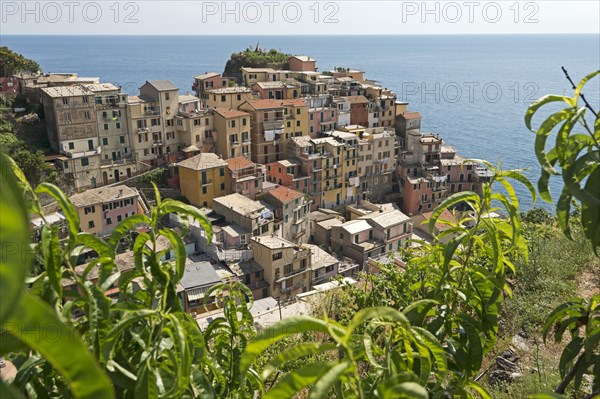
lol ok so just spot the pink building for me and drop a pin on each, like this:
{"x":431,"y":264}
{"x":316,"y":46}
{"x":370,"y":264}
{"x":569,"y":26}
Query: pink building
{"x":321,"y":120}
{"x":302,"y":63}
{"x":102,"y":209}
{"x":359,"y":110}
{"x":288,"y":173}
{"x":460,"y":175}
{"x":9,"y":85}
{"x":208,"y":81}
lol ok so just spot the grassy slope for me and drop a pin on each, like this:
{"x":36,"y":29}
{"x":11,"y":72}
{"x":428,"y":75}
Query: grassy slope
{"x":558,"y":269}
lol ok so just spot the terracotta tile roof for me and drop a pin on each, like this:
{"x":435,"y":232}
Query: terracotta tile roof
{"x":239,"y":163}
{"x":229,"y":113}
{"x":357,"y":99}
{"x":445,"y":215}
{"x":270,"y":103}
{"x":411,"y":115}
{"x":284,"y":194}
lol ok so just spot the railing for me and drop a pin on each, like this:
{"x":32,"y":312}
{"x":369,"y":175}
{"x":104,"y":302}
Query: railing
{"x":299,"y":284}
{"x":120,"y":161}
{"x":143,"y":130}
{"x":80,"y":154}
{"x":152,"y":112}
{"x":102,"y":106}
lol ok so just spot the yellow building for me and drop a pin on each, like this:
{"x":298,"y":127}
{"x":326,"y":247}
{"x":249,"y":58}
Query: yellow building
{"x":202,"y":178}
{"x":232,"y":131}
{"x":340,"y":180}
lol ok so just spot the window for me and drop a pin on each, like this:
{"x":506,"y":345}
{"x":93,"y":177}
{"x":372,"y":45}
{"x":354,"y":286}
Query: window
{"x":297,"y":123}
{"x":108,"y":221}
{"x":277,"y":256}
{"x":122,"y":139}
{"x":89,"y":209}
{"x":167,"y":96}
{"x":297,"y":111}
{"x":106,"y":126}
{"x":85,"y":162}
{"x":65,"y":101}
{"x":104,"y":141}
{"x":118,"y":124}
{"x":204,"y":190}
{"x":71,"y":146}
{"x":233,"y":123}
{"x":91,"y":224}
{"x":222,"y":172}
{"x":119,"y":218}
{"x":90,"y":145}
{"x":243,"y":121}
{"x":223,"y":186}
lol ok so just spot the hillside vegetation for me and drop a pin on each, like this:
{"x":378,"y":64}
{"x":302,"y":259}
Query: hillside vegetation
{"x":255,"y":58}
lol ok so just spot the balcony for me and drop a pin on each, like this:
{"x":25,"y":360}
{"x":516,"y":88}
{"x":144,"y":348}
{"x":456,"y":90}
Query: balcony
{"x":114,"y":162}
{"x":152,"y":112}
{"x":111,"y":105}
{"x":143,"y":130}
{"x":296,"y":286}
{"x":81,"y":154}
{"x":157,"y":142}
{"x":207,"y":182}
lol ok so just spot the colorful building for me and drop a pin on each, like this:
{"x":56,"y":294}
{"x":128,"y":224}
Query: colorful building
{"x":101,"y":209}
{"x":202,"y":178}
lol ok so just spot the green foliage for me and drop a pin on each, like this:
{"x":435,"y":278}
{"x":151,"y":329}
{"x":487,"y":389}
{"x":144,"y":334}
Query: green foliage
{"x":34,"y":165}
{"x":577,"y":153}
{"x":255,"y":59}
{"x":141,"y":345}
{"x":11,"y":63}
{"x":156,"y":176}
{"x":418,"y":332}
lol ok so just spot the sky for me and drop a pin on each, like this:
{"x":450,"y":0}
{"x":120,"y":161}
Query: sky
{"x":161,"y":17}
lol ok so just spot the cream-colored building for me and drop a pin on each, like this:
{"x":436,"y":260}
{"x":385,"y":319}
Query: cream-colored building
{"x":72,"y":127}
{"x":194,"y":125}
{"x":250,"y":215}
{"x":116,"y":161}
{"x":151,"y":118}
{"x":286,"y":266}
{"x":378,"y":150}
{"x":228,"y":97}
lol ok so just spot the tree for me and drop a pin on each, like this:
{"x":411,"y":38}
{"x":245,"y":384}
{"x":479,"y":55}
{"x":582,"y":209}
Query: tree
{"x":11,"y":63}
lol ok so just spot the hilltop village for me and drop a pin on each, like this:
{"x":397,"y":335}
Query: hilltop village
{"x":304,"y":175}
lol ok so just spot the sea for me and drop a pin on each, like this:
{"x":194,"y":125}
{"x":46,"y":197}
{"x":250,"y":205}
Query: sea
{"x":472,"y":90}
